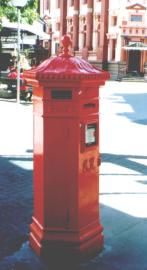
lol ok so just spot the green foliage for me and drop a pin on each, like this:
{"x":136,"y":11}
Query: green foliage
{"x":4,"y":3}
{"x":28,"y":13}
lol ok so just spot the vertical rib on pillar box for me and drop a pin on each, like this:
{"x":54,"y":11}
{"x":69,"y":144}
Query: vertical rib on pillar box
{"x":66,"y":156}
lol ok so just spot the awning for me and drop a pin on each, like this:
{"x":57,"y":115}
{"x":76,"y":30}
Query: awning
{"x":136,"y":46}
{"x":33,"y":29}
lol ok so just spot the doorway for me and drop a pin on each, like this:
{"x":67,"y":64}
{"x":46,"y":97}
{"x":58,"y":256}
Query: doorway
{"x":134,"y":61}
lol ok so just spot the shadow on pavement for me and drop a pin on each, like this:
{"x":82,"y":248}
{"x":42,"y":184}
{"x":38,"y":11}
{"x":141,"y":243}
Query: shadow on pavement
{"x":16,"y":201}
{"x":127,"y":161}
{"x":125,"y":241}
{"x":138,"y":105}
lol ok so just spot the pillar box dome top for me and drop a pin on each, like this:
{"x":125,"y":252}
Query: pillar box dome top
{"x":66,"y":66}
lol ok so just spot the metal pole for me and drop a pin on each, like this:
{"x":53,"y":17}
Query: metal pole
{"x":18,"y":56}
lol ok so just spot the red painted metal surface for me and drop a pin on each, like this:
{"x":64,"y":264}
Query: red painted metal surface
{"x":66,"y":156}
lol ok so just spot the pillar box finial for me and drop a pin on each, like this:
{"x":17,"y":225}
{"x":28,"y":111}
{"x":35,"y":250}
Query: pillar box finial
{"x":66,"y":42}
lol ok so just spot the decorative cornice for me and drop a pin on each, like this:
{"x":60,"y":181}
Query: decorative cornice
{"x":136,"y":6}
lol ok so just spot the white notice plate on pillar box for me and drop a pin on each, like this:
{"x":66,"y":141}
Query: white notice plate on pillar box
{"x":90,"y":134}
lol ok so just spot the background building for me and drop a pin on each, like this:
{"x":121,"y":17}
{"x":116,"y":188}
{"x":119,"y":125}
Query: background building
{"x":127,"y":36}
{"x":111,"y":34}
{"x":82,"y":21}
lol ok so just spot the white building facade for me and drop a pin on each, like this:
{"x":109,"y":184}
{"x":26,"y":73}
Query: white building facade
{"x":110,"y":33}
{"x":127,"y":34}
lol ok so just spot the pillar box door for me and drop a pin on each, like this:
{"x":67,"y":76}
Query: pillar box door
{"x":66,"y":156}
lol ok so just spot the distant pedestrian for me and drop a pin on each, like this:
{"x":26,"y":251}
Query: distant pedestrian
{"x":26,"y":90}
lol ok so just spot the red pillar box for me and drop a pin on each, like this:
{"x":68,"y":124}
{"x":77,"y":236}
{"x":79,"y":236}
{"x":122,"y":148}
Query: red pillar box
{"x":66,"y":156}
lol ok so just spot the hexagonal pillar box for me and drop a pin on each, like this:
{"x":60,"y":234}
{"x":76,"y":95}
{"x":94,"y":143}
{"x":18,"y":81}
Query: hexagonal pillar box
{"x":66,"y":156}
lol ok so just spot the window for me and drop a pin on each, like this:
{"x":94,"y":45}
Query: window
{"x":57,"y":26}
{"x":136,"y":18}
{"x":56,"y":47}
{"x":114,"y":20}
{"x":124,"y":22}
{"x":98,"y":39}
{"x":113,"y":48}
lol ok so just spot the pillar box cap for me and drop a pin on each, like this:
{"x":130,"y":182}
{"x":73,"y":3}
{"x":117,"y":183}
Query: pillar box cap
{"x":65,"y":66}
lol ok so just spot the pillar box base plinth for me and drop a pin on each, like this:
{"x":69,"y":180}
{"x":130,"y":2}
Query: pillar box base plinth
{"x":66,"y":245}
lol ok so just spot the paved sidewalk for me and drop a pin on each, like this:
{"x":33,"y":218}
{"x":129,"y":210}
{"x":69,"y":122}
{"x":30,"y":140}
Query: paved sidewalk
{"x":123,"y":182}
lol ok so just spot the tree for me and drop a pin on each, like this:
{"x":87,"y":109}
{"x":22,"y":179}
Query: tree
{"x":28,"y":13}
